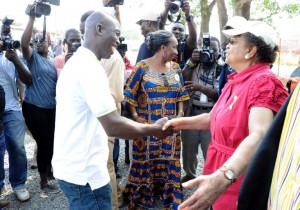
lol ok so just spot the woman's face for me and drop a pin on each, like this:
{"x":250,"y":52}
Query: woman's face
{"x":171,"y":49}
{"x":236,"y":50}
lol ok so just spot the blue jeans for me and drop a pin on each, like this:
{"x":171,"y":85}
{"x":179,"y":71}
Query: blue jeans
{"x":2,"y":153}
{"x":83,"y":198}
{"x":14,"y":133}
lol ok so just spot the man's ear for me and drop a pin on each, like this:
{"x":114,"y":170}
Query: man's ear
{"x":99,"y":28}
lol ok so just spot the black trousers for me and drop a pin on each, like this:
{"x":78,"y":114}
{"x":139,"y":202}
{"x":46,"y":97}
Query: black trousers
{"x":41,"y":124}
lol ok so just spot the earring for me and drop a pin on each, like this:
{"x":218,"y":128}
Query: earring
{"x":164,"y":54}
{"x":247,"y":56}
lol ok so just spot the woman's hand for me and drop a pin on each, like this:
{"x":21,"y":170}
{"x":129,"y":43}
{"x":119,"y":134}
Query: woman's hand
{"x":174,"y":124}
{"x":210,"y":187}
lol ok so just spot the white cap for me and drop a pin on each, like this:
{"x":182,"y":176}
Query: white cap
{"x":235,"y":22}
{"x":149,"y":16}
{"x":258,"y":29}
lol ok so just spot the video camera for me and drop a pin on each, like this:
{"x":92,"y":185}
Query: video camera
{"x":122,"y":48}
{"x":41,"y":7}
{"x":112,"y":3}
{"x":8,"y":42}
{"x":175,"y":5}
{"x":206,"y":53}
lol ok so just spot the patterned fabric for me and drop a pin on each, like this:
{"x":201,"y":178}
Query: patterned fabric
{"x":155,"y":170}
{"x":285,"y":187}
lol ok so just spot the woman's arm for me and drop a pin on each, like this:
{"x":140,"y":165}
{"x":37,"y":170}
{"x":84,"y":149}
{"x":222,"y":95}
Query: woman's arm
{"x":210,"y":187}
{"x":199,"y":122}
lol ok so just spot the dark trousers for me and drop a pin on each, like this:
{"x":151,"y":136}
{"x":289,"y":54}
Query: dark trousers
{"x":41,"y":124}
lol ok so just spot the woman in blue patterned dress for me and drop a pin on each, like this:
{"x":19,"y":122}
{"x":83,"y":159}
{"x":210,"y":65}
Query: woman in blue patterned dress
{"x":154,"y":90}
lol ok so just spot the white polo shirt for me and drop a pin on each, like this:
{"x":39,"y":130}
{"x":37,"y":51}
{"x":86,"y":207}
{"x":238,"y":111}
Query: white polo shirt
{"x":80,"y":142}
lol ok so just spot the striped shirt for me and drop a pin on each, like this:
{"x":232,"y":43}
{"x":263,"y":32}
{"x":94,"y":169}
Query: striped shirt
{"x":285,"y":187}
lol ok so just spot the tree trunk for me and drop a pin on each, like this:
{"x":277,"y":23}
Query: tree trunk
{"x":242,"y":8}
{"x":206,"y":10}
{"x":223,"y":17}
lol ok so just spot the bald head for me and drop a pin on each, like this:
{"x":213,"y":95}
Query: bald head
{"x":102,"y":33}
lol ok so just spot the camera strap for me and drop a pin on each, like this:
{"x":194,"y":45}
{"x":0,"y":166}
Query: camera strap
{"x":44,"y":28}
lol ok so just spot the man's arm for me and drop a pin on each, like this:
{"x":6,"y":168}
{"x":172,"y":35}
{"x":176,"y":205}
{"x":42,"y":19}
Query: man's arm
{"x":192,"y":38}
{"x":23,"y":72}
{"x":121,"y":127}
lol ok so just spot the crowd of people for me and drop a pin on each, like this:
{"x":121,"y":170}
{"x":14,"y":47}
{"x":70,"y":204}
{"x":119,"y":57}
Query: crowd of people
{"x":182,"y":92}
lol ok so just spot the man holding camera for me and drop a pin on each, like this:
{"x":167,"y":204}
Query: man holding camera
{"x":199,"y":73}
{"x":11,"y":70}
{"x":186,"y":43}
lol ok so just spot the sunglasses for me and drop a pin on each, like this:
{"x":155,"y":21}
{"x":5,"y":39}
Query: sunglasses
{"x":39,"y":41}
{"x":165,"y":79}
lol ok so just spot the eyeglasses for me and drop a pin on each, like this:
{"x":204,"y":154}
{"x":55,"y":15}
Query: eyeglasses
{"x":39,"y":41}
{"x":165,"y":79}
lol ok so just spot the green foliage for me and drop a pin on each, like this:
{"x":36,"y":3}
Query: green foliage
{"x":292,"y":9}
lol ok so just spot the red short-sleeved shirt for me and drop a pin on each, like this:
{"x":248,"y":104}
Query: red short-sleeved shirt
{"x":255,"y":86}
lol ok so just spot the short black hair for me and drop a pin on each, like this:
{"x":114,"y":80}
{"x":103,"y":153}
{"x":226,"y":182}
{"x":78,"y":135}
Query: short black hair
{"x":213,"y":38}
{"x":265,"y":52}
{"x":69,"y":31}
{"x":86,"y":15}
{"x":158,"y":38}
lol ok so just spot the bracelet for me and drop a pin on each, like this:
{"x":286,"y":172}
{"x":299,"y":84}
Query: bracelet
{"x":181,"y":111}
{"x":135,"y":116}
{"x":192,"y":64}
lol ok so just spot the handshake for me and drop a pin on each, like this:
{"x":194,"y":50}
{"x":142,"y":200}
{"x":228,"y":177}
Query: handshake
{"x":165,"y":128}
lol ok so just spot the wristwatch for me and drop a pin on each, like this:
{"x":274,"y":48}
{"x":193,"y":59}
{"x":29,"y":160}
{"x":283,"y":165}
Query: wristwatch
{"x":229,"y":174}
{"x":189,"y":18}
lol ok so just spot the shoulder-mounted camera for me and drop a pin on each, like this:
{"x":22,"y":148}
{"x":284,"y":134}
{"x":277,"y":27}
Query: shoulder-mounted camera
{"x":41,"y":7}
{"x":8,"y":42}
{"x":122,"y":48}
{"x":112,"y":3}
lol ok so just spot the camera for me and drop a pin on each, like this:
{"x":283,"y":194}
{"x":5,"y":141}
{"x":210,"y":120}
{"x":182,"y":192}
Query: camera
{"x":75,"y":46}
{"x":206,"y":53}
{"x":122,"y":48}
{"x":175,"y":5}
{"x":112,"y":3}
{"x":8,"y":42}
{"x":41,"y":8}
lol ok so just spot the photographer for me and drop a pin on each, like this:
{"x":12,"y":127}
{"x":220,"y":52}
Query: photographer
{"x":73,"y":41}
{"x":39,"y":103}
{"x":11,"y":70}
{"x":186,"y":43}
{"x":200,"y":75}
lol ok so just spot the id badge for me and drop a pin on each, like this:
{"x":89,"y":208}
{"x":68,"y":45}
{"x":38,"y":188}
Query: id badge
{"x":203,"y":98}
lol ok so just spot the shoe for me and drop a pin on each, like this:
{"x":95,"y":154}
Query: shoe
{"x":186,"y":178}
{"x":50,"y":189}
{"x":4,"y":203}
{"x":22,"y":194}
{"x":33,"y":167}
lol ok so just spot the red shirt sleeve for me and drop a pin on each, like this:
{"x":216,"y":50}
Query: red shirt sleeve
{"x":267,"y":91}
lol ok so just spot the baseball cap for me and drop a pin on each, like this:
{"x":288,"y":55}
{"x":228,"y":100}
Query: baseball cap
{"x":148,"y":16}
{"x":258,"y":29}
{"x":235,"y":22}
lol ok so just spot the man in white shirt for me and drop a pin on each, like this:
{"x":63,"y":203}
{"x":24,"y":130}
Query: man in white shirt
{"x":86,"y":114}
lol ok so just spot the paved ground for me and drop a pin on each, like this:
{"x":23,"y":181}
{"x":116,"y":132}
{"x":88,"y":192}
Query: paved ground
{"x":41,"y":201}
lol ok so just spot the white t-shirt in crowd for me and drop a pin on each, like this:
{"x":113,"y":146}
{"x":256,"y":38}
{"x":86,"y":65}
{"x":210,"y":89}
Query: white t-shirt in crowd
{"x":80,"y":142}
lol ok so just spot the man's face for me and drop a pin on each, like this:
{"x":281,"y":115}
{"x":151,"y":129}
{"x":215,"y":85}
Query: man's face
{"x":215,"y":46}
{"x":110,"y":39}
{"x":179,"y":31}
{"x":72,"y":38}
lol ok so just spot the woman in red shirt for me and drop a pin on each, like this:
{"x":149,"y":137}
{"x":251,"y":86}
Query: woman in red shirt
{"x":239,"y":119}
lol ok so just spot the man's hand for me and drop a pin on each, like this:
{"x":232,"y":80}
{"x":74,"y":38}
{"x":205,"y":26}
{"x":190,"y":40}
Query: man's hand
{"x":186,"y":8}
{"x":172,"y":124}
{"x":11,"y":55}
{"x":192,"y":86}
{"x":210,"y":187}
{"x":161,"y":134}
